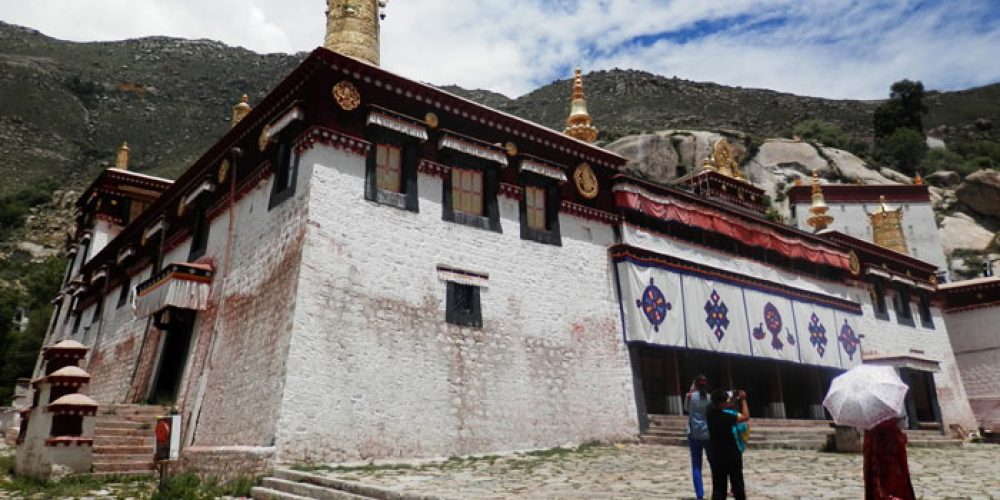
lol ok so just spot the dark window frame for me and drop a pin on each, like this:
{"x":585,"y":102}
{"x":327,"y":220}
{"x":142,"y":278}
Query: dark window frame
{"x":408,"y":198}
{"x":924,"y":307}
{"x":901,"y":303}
{"x":490,"y":220}
{"x":77,"y":319}
{"x":285,"y":162}
{"x":124,"y":293}
{"x":551,"y":234}
{"x":200,"y":233}
{"x":463,"y":306}
{"x":878,"y":300}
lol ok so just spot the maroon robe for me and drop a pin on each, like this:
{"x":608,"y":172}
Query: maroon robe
{"x":887,"y":474}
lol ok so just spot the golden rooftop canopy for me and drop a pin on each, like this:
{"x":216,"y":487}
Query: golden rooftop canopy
{"x":887,"y":227}
{"x":352,"y":28}
{"x":121,"y":161}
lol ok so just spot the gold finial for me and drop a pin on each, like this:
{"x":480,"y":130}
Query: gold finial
{"x":798,"y":181}
{"x":121,"y":161}
{"x":819,"y":220}
{"x":917,"y":180}
{"x":723,"y":160}
{"x":887,"y":227}
{"x":241,"y":110}
{"x":352,"y":28}
{"x":579,"y":124}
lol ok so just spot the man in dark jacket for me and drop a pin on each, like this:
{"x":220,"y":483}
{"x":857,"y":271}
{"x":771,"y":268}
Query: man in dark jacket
{"x":727,"y":461}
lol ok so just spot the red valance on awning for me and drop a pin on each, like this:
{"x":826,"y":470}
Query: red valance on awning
{"x":745,"y":231}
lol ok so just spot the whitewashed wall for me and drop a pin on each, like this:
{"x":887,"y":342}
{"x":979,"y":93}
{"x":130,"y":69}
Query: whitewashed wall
{"x":375,"y":371}
{"x":975,"y":338}
{"x":919,"y":226}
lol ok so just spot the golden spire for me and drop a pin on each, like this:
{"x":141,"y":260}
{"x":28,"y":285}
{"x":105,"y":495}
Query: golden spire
{"x":917,"y":180}
{"x":352,"y":28}
{"x":579,"y":124}
{"x":121,"y":161}
{"x":819,"y":220}
{"x":241,"y":110}
{"x":887,"y":227}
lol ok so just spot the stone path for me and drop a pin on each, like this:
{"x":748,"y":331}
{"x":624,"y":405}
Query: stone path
{"x":639,"y":471}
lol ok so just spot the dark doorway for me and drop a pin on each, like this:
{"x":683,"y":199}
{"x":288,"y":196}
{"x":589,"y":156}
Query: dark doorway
{"x":921,"y":400}
{"x":177,"y":326}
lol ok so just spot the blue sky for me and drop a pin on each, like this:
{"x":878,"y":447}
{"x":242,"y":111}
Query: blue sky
{"x":829,"y":48}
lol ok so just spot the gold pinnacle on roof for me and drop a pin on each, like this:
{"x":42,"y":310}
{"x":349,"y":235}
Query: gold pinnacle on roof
{"x":819,"y":220}
{"x":352,"y":28}
{"x":723,"y":160}
{"x":917,"y":180}
{"x":121,"y":161}
{"x":241,"y":110}
{"x":579,"y":124}
{"x":887,"y":227}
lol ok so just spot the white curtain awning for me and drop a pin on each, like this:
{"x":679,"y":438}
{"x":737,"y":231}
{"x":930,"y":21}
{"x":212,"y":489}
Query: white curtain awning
{"x":473,"y":149}
{"x":543,"y":169}
{"x":184,"y":286}
{"x":395,"y":124}
{"x":903,"y":360}
{"x":463,"y":277}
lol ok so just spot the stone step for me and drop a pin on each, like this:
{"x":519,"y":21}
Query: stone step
{"x":114,"y":459}
{"x":107,"y":476}
{"x":115,"y":432}
{"x":754,"y":429}
{"x":362,"y":490}
{"x":935,"y":443}
{"x":123,"y":466}
{"x":309,"y":490}
{"x":655,"y":419}
{"x":262,"y":493}
{"x":121,"y":424}
{"x":123,"y":440}
{"x":123,"y":450}
{"x":663,"y":440}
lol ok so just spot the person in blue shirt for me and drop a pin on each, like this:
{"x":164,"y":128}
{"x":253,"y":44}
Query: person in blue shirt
{"x":725,"y":452}
{"x":696,"y":404}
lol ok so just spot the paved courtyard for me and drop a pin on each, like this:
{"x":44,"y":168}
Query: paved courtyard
{"x":639,"y":471}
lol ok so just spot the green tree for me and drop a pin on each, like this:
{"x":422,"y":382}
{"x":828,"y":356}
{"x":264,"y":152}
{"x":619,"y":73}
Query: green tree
{"x":829,"y":135}
{"x":904,"y":109}
{"x":903,"y":149}
{"x":939,"y":159}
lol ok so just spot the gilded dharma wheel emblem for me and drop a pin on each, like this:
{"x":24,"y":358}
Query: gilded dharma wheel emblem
{"x":854,"y":263}
{"x":432,"y":120}
{"x":586,"y":181}
{"x":346,"y":95}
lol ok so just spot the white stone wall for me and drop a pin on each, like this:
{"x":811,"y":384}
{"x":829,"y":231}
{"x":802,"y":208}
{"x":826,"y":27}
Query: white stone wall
{"x":884,"y":337}
{"x":374,"y":370}
{"x":919,"y":226}
{"x":975,"y":338}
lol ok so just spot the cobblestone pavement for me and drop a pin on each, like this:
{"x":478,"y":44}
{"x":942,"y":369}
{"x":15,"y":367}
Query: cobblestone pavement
{"x":638,"y":471}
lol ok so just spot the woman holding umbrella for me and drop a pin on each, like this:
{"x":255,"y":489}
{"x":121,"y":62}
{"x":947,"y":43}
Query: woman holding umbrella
{"x":871,"y":398}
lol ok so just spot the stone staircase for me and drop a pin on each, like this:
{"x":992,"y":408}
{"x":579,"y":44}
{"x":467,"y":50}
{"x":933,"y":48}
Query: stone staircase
{"x":931,"y":439}
{"x":123,"y":440}
{"x":287,"y":484}
{"x":765,"y":433}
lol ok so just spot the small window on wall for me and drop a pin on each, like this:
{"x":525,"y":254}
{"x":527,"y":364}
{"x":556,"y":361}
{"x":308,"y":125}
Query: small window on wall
{"x":124,"y":292}
{"x":926,"y":319}
{"x":540,"y":211}
{"x":199,"y":234}
{"x":286,"y":167}
{"x":878,"y":300}
{"x":467,"y":191}
{"x":463,"y":306}
{"x":471,"y":199}
{"x":391,"y":177}
{"x":901,"y":302}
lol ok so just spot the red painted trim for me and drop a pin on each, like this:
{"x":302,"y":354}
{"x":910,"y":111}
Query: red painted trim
{"x":332,"y":138}
{"x":433,"y":169}
{"x":568,"y":207}
{"x":511,"y":191}
{"x":857,"y":193}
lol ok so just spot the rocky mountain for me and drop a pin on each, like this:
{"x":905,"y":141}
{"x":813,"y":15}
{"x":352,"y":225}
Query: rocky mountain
{"x":65,"y":108}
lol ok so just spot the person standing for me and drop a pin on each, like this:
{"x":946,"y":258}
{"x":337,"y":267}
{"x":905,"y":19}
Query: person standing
{"x":697,"y":403}
{"x":725,"y":457}
{"x":887,"y":473}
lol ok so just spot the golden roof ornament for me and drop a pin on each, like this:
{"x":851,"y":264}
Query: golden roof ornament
{"x":723,"y":160}
{"x":121,"y":160}
{"x":917,"y":180}
{"x":352,"y":28}
{"x":241,"y":110}
{"x":887,"y":227}
{"x":819,"y":220}
{"x":579,"y":124}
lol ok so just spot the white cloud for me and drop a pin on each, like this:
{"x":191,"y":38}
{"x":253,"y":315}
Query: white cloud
{"x":828,"y":48}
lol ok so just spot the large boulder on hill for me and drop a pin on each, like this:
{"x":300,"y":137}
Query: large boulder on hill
{"x":943,"y":178}
{"x":693,"y":146}
{"x":981,"y":192}
{"x":852,"y":168}
{"x":649,"y":155}
{"x":961,"y":231}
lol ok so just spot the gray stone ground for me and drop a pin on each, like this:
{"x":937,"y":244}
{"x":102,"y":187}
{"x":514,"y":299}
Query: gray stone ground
{"x":641,"y":471}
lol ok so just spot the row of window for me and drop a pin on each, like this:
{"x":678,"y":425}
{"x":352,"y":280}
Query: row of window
{"x":901,"y":303}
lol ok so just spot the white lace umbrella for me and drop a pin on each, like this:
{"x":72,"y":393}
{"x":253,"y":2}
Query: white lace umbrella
{"x":865,"y":396}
